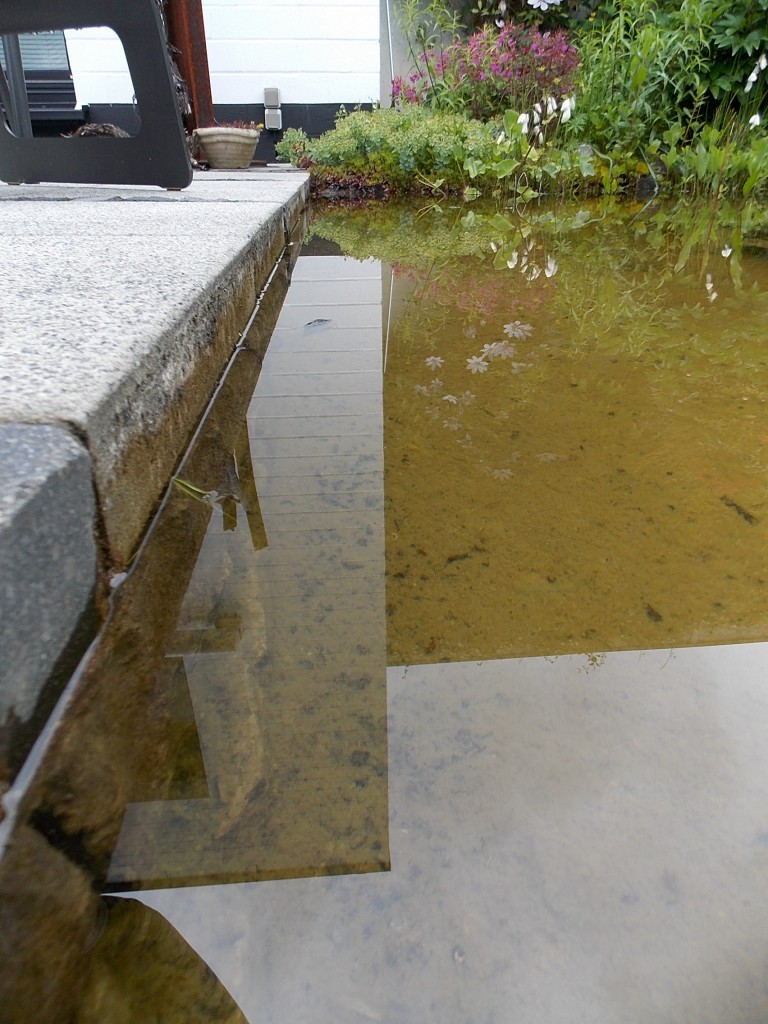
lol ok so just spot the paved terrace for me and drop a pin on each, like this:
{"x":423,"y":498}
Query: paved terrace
{"x":120,"y":307}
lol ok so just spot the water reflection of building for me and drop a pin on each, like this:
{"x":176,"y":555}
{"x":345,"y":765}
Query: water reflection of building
{"x":280,"y":637}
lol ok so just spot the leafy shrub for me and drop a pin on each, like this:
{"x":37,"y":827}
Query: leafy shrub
{"x":293,"y":146}
{"x":646,"y":67}
{"x":405,"y":149}
{"x":492,"y":71}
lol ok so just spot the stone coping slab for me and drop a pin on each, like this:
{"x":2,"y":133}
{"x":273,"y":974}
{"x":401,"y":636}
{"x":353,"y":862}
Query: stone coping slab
{"x":119,"y":308}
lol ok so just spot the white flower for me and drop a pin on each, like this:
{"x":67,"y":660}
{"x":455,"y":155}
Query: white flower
{"x":761,"y":65}
{"x":421,"y":390}
{"x":726,"y":252}
{"x":537,"y":113}
{"x":709,"y":285}
{"x":435,"y":362}
{"x":566,"y":108}
{"x":451,"y":398}
{"x":551,"y":103}
{"x":518,"y":330}
{"x":476,"y":364}
{"x":533,"y":273}
{"x":754,"y":121}
{"x":451,"y":424}
{"x":501,"y":474}
{"x":466,"y":398}
{"x":543,"y":5}
{"x":524,"y":120}
{"x":551,"y":268}
{"x":436,"y":384}
{"x":493,"y":350}
{"x":507,"y":351}
{"x":512,"y":261}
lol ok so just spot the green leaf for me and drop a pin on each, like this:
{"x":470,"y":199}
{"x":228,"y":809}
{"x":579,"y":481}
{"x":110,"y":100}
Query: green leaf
{"x":504,"y":168}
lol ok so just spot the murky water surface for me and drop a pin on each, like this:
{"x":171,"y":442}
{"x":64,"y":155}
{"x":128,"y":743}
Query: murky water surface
{"x":438,"y":690}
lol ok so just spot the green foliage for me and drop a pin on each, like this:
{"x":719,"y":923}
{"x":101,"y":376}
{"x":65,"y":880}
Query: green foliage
{"x":293,"y":146}
{"x":405,"y":150}
{"x":646,"y":66}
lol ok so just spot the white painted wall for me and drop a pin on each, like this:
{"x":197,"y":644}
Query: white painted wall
{"x":313,"y":51}
{"x":99,"y":68}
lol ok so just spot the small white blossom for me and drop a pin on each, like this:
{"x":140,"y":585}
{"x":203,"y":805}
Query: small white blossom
{"x":512,"y":261}
{"x":451,"y":424}
{"x":492,"y":350}
{"x":543,"y":5}
{"x":476,"y":364}
{"x":761,"y":65}
{"x":533,"y":273}
{"x":551,"y":104}
{"x":507,"y":350}
{"x":754,"y":121}
{"x":436,"y":385}
{"x":466,"y":397}
{"x":421,"y":390}
{"x":566,"y":108}
{"x":451,"y":398}
{"x":726,"y":252}
{"x":524,"y":120}
{"x":435,"y":362}
{"x":551,"y":268}
{"x":518,"y":330}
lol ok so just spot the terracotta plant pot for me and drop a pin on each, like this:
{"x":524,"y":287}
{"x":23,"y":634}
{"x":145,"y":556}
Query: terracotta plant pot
{"x":227,"y":148}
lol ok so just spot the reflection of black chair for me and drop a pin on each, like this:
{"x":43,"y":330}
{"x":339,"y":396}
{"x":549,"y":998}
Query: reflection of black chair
{"x":158,"y":155}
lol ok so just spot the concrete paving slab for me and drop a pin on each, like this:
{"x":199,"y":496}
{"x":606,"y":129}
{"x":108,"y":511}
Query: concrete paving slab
{"x":47,"y":564}
{"x":121,"y":306}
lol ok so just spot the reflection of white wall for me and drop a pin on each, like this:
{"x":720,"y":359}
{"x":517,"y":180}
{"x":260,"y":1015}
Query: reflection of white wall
{"x":314,"y":51}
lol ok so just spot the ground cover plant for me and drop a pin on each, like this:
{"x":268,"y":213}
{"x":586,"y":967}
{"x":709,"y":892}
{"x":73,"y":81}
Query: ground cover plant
{"x":515,"y":98}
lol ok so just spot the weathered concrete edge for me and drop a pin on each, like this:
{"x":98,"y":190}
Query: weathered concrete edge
{"x":48,"y":572}
{"x":96,"y":507}
{"x":134,"y":445}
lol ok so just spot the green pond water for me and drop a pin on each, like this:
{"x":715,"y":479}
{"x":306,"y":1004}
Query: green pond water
{"x":436,"y":691}
{"x":575,"y":434}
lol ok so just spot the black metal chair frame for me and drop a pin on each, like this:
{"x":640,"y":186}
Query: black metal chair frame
{"x":157,"y":155}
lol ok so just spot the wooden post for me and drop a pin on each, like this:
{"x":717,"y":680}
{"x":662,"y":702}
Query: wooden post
{"x":186,"y":33}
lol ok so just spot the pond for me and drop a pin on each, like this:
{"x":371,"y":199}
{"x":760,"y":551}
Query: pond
{"x":437,"y":690}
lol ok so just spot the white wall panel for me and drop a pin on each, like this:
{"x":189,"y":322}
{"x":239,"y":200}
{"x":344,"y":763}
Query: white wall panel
{"x":324,"y":51}
{"x":320,"y":21}
{"x":318,"y":51}
{"x":342,"y":56}
{"x":99,"y":68}
{"x":296,"y":87}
